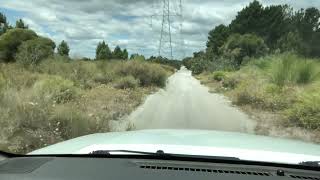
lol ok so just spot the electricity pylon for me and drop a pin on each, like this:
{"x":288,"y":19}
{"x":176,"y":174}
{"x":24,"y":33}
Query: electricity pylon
{"x":171,"y":39}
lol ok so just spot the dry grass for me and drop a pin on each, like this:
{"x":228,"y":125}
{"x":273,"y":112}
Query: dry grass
{"x":59,"y":99}
{"x":283,"y":99}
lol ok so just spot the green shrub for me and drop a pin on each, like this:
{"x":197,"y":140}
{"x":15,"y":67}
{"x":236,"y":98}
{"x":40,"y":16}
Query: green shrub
{"x":105,"y":78}
{"x":219,"y":75}
{"x":283,"y":70}
{"x":32,"y":52}
{"x":231,"y":81}
{"x":291,"y":69}
{"x":147,"y":73}
{"x":82,"y":73}
{"x":306,"y":72}
{"x":11,"y":40}
{"x":128,"y":82}
{"x":305,"y":113}
{"x":55,"y":88}
{"x":237,"y":47}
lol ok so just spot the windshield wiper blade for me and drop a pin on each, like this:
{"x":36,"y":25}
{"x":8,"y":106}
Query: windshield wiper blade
{"x":310,"y":163}
{"x":159,"y":153}
{"x":109,"y":152}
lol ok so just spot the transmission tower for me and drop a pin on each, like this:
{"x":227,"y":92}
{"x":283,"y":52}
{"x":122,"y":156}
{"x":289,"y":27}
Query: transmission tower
{"x":170,"y":18}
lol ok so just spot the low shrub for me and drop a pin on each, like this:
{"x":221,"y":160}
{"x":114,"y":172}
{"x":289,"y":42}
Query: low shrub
{"x":231,"y":81}
{"x":128,"y":82}
{"x":306,"y":112}
{"x":56,"y":89}
{"x":106,"y":78}
{"x":148,"y":74}
{"x":306,"y":72}
{"x":219,"y":75}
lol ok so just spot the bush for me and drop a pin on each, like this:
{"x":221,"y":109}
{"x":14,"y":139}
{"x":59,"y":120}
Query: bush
{"x":147,"y":73}
{"x":106,"y":78}
{"x":231,"y":82}
{"x":291,"y":69}
{"x":239,"y":46}
{"x":305,"y":113}
{"x":82,"y":73}
{"x":11,"y":40}
{"x":32,"y":52}
{"x":128,"y":82}
{"x":306,"y":72}
{"x":56,"y":89}
{"x":219,"y":75}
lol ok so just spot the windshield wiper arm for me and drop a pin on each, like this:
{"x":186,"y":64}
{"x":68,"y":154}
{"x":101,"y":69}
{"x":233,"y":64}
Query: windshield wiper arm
{"x":109,"y":152}
{"x":159,"y":153}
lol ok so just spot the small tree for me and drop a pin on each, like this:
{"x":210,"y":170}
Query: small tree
{"x":117,"y":53}
{"x":11,"y":40}
{"x":32,"y":52}
{"x":125,"y":54}
{"x":103,"y":51}
{"x":63,"y":49}
{"x":239,"y":46}
{"x":20,"y":24}
{"x":3,"y":24}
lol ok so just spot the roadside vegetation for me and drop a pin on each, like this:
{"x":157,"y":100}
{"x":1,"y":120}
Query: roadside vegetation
{"x":268,"y":67}
{"x":47,"y":97}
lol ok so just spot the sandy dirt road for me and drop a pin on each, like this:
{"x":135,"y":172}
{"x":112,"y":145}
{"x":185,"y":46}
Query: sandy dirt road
{"x":186,"y":104}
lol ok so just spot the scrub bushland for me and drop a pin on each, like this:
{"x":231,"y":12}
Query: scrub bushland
{"x":285,"y":85}
{"x":59,"y":99}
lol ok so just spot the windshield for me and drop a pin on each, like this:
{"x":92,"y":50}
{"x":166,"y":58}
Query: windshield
{"x":236,"y":75}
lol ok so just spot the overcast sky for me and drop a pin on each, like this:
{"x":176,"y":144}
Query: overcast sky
{"x":128,"y":23}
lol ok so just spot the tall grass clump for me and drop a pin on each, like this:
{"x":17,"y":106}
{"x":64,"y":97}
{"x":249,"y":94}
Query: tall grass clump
{"x":283,"y":70}
{"x":290,"y":69}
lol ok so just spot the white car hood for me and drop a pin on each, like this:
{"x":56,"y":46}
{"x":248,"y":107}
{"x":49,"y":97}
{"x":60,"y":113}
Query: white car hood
{"x":193,"y":142}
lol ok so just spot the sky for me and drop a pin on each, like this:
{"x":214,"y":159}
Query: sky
{"x":132,"y":24}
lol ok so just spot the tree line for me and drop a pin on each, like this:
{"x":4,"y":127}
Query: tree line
{"x":20,"y":44}
{"x":256,"y":31}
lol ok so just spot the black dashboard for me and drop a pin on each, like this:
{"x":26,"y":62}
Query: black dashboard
{"x":82,"y":168}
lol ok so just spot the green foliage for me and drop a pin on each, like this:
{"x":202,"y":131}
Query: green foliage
{"x":103,"y":51}
{"x":162,"y":60}
{"x":128,"y":82}
{"x":219,"y":75}
{"x":20,"y":24}
{"x":291,"y":69}
{"x":4,"y":26}
{"x":63,"y":49}
{"x":148,"y":74}
{"x":117,"y":53}
{"x":217,"y":37}
{"x":125,"y":54}
{"x":55,"y":89}
{"x":137,"y":57}
{"x":105,"y":78}
{"x":239,"y":46}
{"x":11,"y":40}
{"x":32,"y":52}
{"x":270,"y":22}
{"x":306,"y":112}
{"x":290,"y":42}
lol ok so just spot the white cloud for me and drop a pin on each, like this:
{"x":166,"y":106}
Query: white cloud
{"x":127,"y":23}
